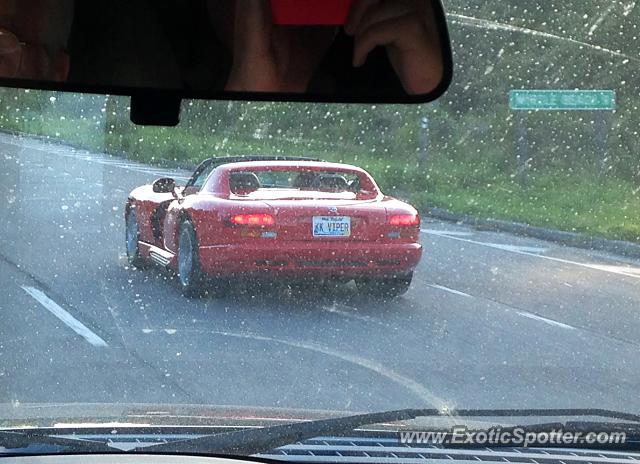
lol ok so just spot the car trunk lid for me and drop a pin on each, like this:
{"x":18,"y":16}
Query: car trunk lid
{"x":328,"y":219}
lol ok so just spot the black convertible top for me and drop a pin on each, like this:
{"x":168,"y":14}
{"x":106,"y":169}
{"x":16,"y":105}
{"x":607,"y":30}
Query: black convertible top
{"x":215,"y":162}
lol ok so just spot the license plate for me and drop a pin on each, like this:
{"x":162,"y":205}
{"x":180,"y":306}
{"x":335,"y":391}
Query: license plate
{"x":331,"y":226}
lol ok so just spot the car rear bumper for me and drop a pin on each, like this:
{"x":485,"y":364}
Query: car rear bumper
{"x":305,"y":259}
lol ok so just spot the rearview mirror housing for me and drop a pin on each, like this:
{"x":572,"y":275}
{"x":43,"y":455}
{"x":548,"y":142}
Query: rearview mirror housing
{"x":158,"y":55}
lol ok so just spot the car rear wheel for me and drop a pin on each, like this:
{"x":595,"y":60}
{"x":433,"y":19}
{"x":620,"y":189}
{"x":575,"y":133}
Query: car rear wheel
{"x":193,"y":281}
{"x":133,"y":240}
{"x":390,"y":287}
{"x":189,"y":271}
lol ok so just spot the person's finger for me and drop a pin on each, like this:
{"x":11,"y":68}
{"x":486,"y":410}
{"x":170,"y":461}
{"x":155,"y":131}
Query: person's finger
{"x":253,"y":26}
{"x":253,"y":64}
{"x":358,"y":9}
{"x":382,"y":33}
{"x":60,"y":66}
{"x":10,"y":52}
{"x":8,"y":43}
{"x":384,"y":11}
{"x":35,"y":63}
{"x":413,"y":49}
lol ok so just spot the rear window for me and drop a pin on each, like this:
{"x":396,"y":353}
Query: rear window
{"x":322,"y":181}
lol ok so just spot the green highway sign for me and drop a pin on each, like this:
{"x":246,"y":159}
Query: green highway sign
{"x":562,"y":100}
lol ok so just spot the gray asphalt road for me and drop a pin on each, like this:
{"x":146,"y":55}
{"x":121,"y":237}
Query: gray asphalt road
{"x":492,"y":320}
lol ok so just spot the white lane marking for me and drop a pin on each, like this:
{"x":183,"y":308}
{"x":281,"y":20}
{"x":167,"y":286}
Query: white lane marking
{"x":73,"y":323}
{"x":333,"y":309}
{"x":449,"y":290}
{"x":535,"y":317}
{"x":448,"y":232}
{"x":369,"y":364}
{"x":523,"y":249}
{"x":619,"y":270}
{"x":498,"y":246}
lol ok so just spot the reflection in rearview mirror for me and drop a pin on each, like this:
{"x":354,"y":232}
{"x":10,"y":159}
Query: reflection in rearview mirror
{"x":316,"y":50}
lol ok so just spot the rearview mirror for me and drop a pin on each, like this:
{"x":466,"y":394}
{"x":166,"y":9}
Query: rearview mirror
{"x":381,"y":51}
{"x":164,"y":185}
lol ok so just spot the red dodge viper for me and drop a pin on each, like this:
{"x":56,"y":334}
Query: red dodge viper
{"x":267,"y":216}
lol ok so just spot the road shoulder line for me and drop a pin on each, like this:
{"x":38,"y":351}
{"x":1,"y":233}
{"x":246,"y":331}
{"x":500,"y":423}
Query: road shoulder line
{"x":571,"y":239}
{"x":513,"y":249}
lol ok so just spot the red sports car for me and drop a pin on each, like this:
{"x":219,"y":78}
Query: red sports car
{"x":274,"y":217}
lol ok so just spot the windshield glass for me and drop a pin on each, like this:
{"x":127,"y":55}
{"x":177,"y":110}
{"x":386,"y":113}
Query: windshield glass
{"x":500,"y":269}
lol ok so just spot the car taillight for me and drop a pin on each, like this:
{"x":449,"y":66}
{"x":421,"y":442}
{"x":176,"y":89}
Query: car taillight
{"x":405,"y":220}
{"x":260,"y":220}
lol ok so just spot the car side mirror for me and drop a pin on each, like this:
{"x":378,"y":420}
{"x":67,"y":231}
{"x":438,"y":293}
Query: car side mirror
{"x":164,"y":185}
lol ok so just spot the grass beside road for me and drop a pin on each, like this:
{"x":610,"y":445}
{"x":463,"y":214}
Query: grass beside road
{"x":560,"y":198}
{"x":598,"y":207}
{"x":565,"y":200}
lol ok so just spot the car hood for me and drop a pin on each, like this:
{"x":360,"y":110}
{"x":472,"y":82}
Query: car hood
{"x":98,"y":415}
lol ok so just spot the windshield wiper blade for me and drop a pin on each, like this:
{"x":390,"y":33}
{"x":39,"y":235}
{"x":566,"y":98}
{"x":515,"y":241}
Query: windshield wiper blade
{"x":21,"y":439}
{"x":254,"y":441}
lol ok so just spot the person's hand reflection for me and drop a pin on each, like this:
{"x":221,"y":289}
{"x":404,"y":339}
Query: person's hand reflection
{"x":272,"y":58}
{"x":408,"y":30}
{"x":33,"y":37}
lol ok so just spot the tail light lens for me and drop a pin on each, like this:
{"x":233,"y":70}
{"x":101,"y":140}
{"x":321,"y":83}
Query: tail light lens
{"x":257,"y":220}
{"x":405,"y":220}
